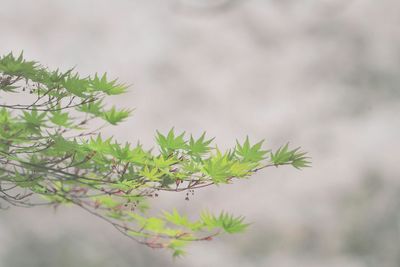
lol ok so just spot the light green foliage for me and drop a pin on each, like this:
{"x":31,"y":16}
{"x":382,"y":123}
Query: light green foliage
{"x":170,"y":143}
{"x":108,"y":87}
{"x":60,"y":118}
{"x":250,"y":153}
{"x":114,"y":116}
{"x":48,"y":155}
{"x":295,"y":157}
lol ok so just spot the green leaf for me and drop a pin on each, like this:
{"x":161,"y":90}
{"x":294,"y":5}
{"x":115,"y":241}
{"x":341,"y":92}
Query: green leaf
{"x":76,"y":86}
{"x":61,"y":145}
{"x":218,"y":167}
{"x":107,"y":201}
{"x":60,"y":118}
{"x":170,"y":143}
{"x":294,"y":157}
{"x":108,"y":87}
{"x":17,"y":66}
{"x":121,"y":153}
{"x":227,"y":222}
{"x":114,"y":116}
{"x":7,"y":88}
{"x":154,"y":224}
{"x":34,"y":118}
{"x":100,"y":145}
{"x":177,"y":247}
{"x":176,"y":218}
{"x":242,"y":169}
{"x":5,"y":116}
{"x":199,"y":147}
{"x":93,"y":107}
{"x":24,"y":181}
{"x":250,"y":153}
{"x":152,"y":174}
{"x":139,"y":156}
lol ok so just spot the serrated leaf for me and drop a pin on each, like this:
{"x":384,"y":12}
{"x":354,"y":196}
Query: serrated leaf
{"x":114,"y":116}
{"x":93,"y":107}
{"x":108,"y":87}
{"x":294,"y":157}
{"x":60,"y":118}
{"x":199,"y":147}
{"x":152,"y":174}
{"x":250,"y":153}
{"x":218,"y":167}
{"x":75,"y":85}
{"x":170,"y":143}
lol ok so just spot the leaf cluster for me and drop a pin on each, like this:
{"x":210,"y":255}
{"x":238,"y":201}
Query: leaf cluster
{"x":48,"y":154}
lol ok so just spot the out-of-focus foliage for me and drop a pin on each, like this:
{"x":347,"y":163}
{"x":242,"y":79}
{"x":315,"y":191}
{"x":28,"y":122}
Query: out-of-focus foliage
{"x":47,"y":149}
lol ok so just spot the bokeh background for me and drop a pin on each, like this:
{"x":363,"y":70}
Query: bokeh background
{"x":322,"y":74}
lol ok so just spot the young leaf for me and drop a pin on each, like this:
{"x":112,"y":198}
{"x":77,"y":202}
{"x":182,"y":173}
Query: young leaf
{"x":114,"y":116}
{"x":218,"y":167}
{"x":250,"y":153}
{"x":170,"y":143}
{"x":60,"y":118}
{"x":294,"y":157}
{"x":199,"y":147}
{"x":93,"y":107}
{"x":108,"y":87}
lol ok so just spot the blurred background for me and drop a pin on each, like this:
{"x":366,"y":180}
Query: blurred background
{"x":323,"y":75}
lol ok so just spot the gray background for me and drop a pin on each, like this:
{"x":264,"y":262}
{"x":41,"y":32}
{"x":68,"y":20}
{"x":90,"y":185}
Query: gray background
{"x":320,"y":74}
